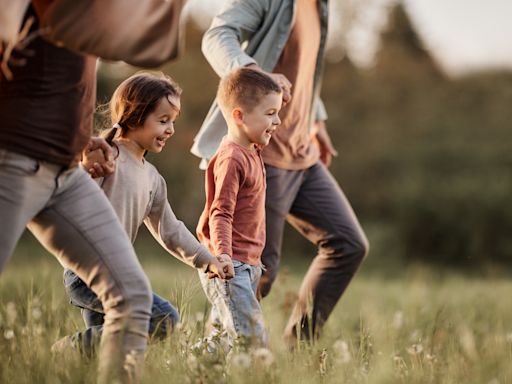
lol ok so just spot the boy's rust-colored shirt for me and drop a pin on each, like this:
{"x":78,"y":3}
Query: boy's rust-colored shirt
{"x":233,"y":220}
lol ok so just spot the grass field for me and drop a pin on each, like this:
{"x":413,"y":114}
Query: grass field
{"x":415,"y":325}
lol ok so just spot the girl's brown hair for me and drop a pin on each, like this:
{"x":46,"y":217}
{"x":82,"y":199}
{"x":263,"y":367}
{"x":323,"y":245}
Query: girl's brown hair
{"x":135,"y":98}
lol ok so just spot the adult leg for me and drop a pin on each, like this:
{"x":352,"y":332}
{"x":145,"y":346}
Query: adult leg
{"x":282,"y":187}
{"x":80,"y":227}
{"x":322,"y":213}
{"x":25,"y":189}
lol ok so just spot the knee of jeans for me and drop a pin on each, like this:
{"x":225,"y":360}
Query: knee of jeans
{"x":355,"y":248}
{"x":164,"y":323}
{"x":174,"y":316}
{"x":168,"y":312}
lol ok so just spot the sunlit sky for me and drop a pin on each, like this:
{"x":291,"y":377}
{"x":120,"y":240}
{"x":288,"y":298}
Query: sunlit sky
{"x":463,"y":35}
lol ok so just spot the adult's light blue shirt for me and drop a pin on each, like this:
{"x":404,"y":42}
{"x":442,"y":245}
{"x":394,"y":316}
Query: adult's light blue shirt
{"x":248,"y":32}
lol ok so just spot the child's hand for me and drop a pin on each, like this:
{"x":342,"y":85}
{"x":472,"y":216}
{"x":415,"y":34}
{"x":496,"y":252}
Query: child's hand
{"x":221,"y":266}
{"x":97,"y":158}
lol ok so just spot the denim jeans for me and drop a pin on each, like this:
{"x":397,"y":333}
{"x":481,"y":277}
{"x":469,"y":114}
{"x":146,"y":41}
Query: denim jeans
{"x":164,"y":316}
{"x":70,"y":215}
{"x":235,"y":306}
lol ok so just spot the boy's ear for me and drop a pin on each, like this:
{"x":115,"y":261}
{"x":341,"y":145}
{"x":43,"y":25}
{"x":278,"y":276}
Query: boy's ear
{"x":238,"y":116}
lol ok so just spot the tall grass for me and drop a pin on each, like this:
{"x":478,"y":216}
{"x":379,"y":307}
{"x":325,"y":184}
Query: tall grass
{"x":423,"y":326}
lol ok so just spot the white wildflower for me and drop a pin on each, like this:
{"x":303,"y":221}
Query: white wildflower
{"x":398,"y":320}
{"x":240,"y":360}
{"x":342,"y":351}
{"x":9,"y":334}
{"x":11,"y":313}
{"x":38,"y":330}
{"x":263,"y":356}
{"x":415,"y":335}
{"x":415,"y":349}
{"x":36,"y":313}
{"x":508,"y":337}
{"x":467,"y":342}
{"x":431,"y":358}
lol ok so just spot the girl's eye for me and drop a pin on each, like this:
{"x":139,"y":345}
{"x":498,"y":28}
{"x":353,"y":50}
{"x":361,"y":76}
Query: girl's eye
{"x":163,"y":121}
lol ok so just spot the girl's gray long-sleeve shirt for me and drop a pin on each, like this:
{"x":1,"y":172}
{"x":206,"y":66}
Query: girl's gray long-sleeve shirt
{"x":138,"y":194}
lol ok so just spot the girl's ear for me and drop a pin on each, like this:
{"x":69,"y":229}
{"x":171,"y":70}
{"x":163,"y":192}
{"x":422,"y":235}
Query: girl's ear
{"x":238,"y":116}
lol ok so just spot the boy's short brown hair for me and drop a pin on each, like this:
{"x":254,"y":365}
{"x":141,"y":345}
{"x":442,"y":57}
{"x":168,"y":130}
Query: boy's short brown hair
{"x":244,"y":87}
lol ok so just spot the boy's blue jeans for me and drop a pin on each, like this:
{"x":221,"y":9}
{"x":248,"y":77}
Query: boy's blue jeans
{"x":164,"y":316}
{"x":235,"y":306}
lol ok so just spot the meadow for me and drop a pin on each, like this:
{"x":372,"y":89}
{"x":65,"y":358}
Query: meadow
{"x":410,"y":324}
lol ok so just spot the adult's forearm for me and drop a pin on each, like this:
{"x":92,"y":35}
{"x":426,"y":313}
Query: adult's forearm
{"x":223,"y":51}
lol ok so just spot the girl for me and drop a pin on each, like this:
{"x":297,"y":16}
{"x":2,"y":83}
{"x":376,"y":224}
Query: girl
{"x":143,"y":110}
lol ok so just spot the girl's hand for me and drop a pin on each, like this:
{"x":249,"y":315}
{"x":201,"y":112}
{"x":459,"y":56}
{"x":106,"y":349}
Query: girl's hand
{"x":221,"y":266}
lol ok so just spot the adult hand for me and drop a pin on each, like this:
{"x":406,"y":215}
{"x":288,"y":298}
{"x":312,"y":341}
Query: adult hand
{"x":19,"y":45}
{"x":98,"y":158}
{"x":320,"y":134}
{"x":281,"y":80}
{"x":222,"y":267}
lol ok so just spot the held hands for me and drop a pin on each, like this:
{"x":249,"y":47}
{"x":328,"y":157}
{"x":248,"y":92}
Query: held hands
{"x":321,"y":136}
{"x":98,"y":158}
{"x":221,"y":266}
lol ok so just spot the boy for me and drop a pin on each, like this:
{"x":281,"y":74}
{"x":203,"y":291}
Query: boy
{"x":232,"y":224}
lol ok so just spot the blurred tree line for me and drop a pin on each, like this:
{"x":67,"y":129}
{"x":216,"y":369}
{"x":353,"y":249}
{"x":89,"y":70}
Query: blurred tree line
{"x":425,"y":160}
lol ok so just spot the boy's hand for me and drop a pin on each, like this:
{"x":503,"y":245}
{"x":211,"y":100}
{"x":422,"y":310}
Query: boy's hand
{"x":98,"y":158}
{"x":221,"y":266}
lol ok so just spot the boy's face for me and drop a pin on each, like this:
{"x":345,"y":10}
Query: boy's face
{"x":259,"y":124}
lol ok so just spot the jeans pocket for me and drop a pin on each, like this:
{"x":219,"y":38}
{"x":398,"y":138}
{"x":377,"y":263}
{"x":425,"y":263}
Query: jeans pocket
{"x":256,"y":273}
{"x":18,"y":163}
{"x":239,"y":266}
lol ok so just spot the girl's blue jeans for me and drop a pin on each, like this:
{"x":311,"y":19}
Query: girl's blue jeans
{"x":164,"y":316}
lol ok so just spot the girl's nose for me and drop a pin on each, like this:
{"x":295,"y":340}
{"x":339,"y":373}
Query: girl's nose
{"x":170,"y":130}
{"x":276,"y":121}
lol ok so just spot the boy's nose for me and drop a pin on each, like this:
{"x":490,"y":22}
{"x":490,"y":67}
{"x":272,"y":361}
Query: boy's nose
{"x":276,"y":121}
